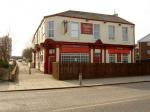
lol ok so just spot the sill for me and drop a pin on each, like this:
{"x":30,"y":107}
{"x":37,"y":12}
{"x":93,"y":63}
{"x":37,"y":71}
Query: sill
{"x":74,"y":38}
{"x":112,"y":40}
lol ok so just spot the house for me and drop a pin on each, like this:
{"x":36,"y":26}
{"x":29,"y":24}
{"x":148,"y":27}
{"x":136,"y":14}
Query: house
{"x":5,"y":47}
{"x":144,"y":48}
{"x":75,"y":36}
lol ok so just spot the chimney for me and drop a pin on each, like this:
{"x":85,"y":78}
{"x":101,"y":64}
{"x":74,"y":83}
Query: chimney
{"x":116,"y":14}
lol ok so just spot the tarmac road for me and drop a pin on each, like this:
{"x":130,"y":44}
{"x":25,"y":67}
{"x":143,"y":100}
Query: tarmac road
{"x":117,"y":98}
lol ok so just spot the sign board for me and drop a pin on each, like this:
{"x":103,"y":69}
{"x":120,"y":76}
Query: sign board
{"x":86,"y":28}
{"x":117,"y":51}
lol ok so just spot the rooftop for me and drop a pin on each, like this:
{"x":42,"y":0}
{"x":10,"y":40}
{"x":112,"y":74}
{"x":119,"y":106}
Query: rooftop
{"x":145,"y":39}
{"x":92,"y":16}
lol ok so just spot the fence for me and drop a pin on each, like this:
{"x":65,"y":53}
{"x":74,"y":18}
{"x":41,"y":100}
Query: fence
{"x":66,"y":71}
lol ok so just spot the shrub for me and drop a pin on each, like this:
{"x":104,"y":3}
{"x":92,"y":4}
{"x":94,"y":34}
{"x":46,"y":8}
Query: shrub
{"x":3,"y":64}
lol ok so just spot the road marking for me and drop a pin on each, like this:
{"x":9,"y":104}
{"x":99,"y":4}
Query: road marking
{"x":120,"y":100}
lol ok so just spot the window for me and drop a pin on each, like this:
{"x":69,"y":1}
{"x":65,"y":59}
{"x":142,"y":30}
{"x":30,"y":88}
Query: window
{"x":96,"y":31}
{"x":112,"y":58}
{"x":74,"y":30}
{"x":111,"y":30}
{"x":125,"y":33}
{"x":41,"y":58}
{"x":125,"y":58}
{"x":148,"y":51}
{"x":51,"y":51}
{"x":50,"y":29}
{"x":74,"y":57}
{"x":148,"y":43}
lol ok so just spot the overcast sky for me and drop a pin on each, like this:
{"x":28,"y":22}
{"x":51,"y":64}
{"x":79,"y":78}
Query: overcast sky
{"x":20,"y":18}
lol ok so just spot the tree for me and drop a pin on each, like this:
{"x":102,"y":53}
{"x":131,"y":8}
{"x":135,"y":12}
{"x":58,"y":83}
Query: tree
{"x":27,"y":54}
{"x":5,"y":48}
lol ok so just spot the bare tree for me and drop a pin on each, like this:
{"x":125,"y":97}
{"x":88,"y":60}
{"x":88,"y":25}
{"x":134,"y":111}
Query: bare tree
{"x":27,"y":54}
{"x":5,"y":48}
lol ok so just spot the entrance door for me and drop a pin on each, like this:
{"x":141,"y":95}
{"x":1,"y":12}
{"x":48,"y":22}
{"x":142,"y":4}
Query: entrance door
{"x":51,"y":59}
{"x":97,"y":56}
{"x":118,"y":58}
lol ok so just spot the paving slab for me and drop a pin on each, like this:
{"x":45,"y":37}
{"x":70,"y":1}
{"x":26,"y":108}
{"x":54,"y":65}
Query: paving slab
{"x":37,"y":80}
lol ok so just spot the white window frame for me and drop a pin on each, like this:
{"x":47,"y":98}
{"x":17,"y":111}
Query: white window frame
{"x":75,"y":57}
{"x":125,"y":33}
{"x":125,"y":58}
{"x":51,"y":29}
{"x":74,"y":30}
{"x":111,"y":32}
{"x":112,"y":58}
{"x":96,"y":31}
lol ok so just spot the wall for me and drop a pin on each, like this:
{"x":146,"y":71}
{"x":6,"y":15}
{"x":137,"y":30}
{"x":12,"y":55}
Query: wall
{"x":143,"y":51}
{"x":60,"y":36}
{"x":67,"y":71}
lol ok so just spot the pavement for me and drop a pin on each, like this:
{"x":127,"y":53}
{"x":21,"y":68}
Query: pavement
{"x":39,"y":81}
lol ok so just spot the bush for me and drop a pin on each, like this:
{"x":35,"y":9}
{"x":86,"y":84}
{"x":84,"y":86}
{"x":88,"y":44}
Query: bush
{"x":4,"y":64}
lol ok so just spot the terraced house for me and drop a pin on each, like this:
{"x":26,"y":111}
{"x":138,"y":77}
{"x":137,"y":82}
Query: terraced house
{"x":75,"y":36}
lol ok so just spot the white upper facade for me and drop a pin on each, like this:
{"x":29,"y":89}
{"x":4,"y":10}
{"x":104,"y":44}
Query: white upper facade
{"x":69,"y":29}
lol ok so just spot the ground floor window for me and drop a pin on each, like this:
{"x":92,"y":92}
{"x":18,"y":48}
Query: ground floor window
{"x":125,"y":58}
{"x":111,"y":58}
{"x":74,"y":57}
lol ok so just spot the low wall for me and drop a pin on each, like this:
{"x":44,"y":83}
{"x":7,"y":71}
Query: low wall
{"x":4,"y":74}
{"x":67,"y":71}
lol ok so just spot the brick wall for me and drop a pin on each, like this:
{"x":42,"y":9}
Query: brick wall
{"x":143,"y":47}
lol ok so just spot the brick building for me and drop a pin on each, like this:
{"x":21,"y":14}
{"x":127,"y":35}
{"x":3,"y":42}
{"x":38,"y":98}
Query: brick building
{"x":75,"y":36}
{"x":144,"y":48}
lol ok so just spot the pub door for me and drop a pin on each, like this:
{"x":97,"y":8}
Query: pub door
{"x":50,"y":60}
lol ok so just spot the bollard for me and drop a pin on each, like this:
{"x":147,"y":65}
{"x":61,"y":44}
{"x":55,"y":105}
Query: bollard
{"x":80,"y":79}
{"x":29,"y":70}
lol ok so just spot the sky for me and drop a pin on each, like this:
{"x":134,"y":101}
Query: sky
{"x":20,"y":18}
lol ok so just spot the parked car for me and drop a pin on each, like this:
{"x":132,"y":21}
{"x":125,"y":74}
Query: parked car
{"x":19,"y":60}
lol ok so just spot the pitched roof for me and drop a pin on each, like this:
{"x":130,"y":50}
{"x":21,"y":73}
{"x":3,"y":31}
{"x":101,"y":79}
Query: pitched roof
{"x":145,"y":39}
{"x":92,"y":16}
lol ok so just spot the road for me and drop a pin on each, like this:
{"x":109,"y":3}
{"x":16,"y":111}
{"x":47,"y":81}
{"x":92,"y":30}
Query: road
{"x":117,"y":98}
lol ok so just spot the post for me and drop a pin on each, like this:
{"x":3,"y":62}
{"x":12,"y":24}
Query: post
{"x":80,"y":79}
{"x":29,"y":68}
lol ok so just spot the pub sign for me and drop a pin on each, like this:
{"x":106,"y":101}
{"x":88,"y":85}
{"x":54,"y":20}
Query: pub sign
{"x":86,"y":28}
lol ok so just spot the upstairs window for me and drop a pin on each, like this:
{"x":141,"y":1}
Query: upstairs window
{"x":51,"y":29}
{"x":111,"y":31}
{"x":74,"y":30}
{"x":148,"y":43}
{"x":125,"y":33}
{"x":96,"y":31}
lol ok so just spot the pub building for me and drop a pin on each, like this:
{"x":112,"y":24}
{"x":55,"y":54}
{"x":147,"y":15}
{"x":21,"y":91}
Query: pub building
{"x":75,"y":36}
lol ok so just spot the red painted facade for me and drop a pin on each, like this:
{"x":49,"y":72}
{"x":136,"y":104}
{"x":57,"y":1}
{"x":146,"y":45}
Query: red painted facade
{"x":74,"y":49}
{"x":98,"y":48}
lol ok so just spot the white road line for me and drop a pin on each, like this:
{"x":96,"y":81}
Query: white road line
{"x":120,"y":100}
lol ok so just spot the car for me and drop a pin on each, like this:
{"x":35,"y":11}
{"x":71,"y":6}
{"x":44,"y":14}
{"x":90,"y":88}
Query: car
{"x":19,"y":60}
